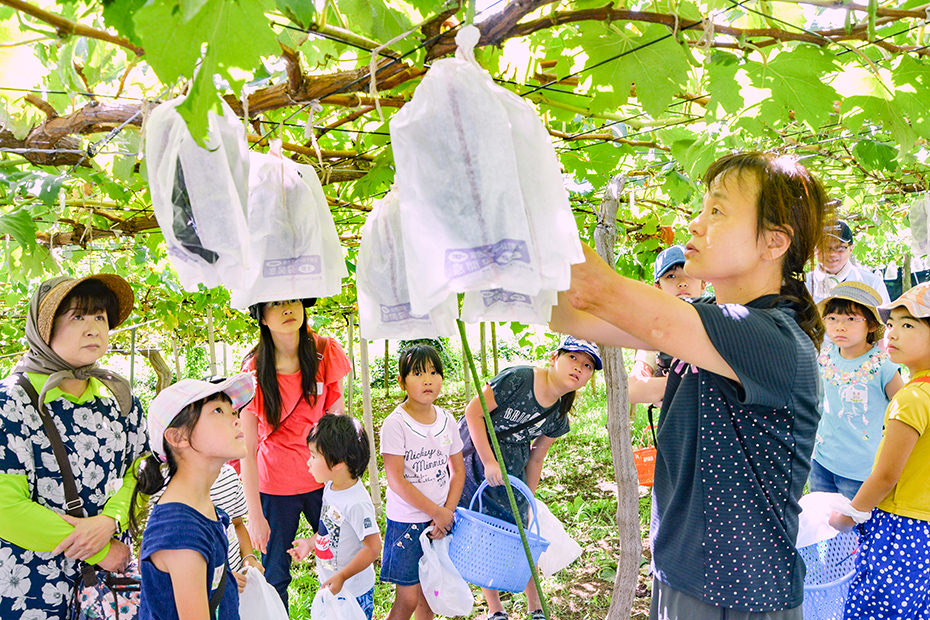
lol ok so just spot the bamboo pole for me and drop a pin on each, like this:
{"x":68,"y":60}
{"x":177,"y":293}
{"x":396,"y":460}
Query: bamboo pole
{"x":484,"y":354}
{"x":350,"y":344}
{"x":387,"y":366}
{"x":211,"y":341}
{"x":494,"y":346}
{"x":132,"y":358}
{"x":374,"y":486}
{"x":177,"y":359}
{"x":465,"y":374}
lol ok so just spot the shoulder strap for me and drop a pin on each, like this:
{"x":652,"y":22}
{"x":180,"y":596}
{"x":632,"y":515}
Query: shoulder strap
{"x":73,"y":503}
{"x":218,"y":593}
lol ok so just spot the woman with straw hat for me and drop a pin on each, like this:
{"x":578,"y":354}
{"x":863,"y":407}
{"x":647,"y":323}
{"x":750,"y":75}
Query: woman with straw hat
{"x":59,"y":406}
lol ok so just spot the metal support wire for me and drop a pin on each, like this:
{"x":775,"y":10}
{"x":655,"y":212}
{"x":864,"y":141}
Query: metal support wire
{"x":500,"y":461}
{"x":93,"y":147}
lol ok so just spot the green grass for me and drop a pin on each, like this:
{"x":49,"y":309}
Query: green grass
{"x":577,"y":486}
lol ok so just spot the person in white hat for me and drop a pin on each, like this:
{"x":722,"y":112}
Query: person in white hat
{"x":193,"y":430}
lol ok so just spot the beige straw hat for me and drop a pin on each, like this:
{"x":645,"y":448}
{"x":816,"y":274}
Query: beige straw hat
{"x":53,"y":291}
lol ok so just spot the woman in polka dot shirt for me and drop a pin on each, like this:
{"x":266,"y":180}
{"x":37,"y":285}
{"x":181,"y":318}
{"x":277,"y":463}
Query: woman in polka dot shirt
{"x":739,"y":413}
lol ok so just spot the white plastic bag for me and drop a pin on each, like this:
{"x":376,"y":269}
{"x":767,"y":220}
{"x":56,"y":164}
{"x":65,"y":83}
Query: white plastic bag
{"x":329,"y":606}
{"x":446,"y":592}
{"x":383,"y":294}
{"x":464,"y":221}
{"x":500,"y":305}
{"x":259,"y":600}
{"x":813,"y":522}
{"x":199,"y":194}
{"x":562,"y":550}
{"x":294,"y":250}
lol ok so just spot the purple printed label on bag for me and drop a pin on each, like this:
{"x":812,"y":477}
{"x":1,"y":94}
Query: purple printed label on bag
{"x":300,"y":266}
{"x":400,"y":312}
{"x":468,"y":260}
{"x":499,"y":295}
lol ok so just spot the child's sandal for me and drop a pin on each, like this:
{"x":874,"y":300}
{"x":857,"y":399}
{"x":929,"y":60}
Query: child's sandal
{"x":537,"y":614}
{"x":498,"y":615}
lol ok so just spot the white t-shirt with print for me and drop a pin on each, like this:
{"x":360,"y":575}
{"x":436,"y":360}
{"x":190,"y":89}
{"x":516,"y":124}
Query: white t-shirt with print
{"x":426,"y":449}
{"x":346,"y":519}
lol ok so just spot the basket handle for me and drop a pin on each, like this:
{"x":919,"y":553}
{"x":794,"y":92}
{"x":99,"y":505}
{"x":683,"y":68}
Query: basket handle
{"x":517,"y":484}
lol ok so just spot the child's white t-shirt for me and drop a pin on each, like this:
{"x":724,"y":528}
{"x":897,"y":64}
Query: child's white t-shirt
{"x":426,"y":449}
{"x":346,"y":518}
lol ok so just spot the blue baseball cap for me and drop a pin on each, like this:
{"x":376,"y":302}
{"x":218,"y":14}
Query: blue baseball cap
{"x":570,"y":343}
{"x":667,"y":259}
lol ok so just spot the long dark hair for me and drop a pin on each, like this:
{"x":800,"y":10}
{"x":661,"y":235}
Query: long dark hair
{"x":153,"y":475}
{"x":791,"y":200}
{"x":267,"y":375}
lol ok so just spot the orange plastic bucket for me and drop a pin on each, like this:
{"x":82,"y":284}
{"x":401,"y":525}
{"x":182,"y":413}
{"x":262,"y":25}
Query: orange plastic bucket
{"x":645,"y":460}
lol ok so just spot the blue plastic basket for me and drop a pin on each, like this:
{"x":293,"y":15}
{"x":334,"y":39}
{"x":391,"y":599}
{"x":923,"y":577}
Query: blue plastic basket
{"x":830,"y":569}
{"x":488,"y":552}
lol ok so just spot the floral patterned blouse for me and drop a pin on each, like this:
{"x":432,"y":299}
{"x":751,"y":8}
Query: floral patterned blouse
{"x":101,"y":443}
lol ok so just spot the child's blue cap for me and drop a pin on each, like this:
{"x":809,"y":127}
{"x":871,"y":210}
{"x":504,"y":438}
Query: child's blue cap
{"x":667,"y":259}
{"x":570,"y":343}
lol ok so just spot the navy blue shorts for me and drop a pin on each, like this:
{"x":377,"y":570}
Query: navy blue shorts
{"x":400,"y":563}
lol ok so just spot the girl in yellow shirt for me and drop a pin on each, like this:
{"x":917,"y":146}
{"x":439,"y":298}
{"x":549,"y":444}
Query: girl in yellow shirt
{"x":893,"y":504}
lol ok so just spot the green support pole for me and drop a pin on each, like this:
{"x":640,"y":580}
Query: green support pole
{"x":500,"y":460}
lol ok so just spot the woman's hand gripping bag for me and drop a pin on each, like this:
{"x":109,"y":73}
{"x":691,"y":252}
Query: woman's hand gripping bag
{"x":383,"y":294}
{"x":329,"y":606}
{"x":464,"y":220}
{"x":199,"y":193}
{"x":294,"y":250}
{"x":259,"y":600}
{"x":562,"y":550}
{"x":446,"y":592}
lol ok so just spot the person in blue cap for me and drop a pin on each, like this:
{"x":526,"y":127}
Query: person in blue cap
{"x":647,"y":379}
{"x":835,"y":265}
{"x":529,"y":407}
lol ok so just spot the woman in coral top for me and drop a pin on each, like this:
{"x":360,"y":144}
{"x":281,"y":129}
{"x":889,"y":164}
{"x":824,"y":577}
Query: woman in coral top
{"x":299,"y":376}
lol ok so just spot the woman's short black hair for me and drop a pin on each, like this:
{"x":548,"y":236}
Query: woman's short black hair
{"x":342,"y":439}
{"x":417,"y":358}
{"x":89,"y":297}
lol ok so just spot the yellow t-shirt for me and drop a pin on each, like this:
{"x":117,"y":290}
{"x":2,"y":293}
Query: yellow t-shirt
{"x":911,"y":496}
